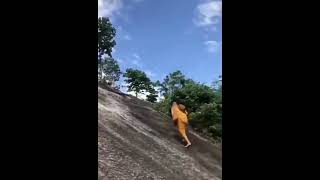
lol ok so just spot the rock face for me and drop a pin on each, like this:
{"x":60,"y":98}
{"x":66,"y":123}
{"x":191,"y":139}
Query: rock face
{"x":137,"y":142}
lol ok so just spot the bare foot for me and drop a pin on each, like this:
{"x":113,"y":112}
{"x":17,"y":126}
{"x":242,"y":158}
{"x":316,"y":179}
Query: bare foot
{"x":189,"y":144}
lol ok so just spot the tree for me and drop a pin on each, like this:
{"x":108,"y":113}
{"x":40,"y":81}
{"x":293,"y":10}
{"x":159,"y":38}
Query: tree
{"x":194,"y":95}
{"x":203,"y":103}
{"x":217,"y":86}
{"x":172,"y":82}
{"x":152,"y":97}
{"x":106,"y":34}
{"x":111,"y":70}
{"x":205,"y":106}
{"x":137,"y":80}
{"x":208,"y":119}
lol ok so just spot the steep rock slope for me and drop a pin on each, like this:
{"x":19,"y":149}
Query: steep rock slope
{"x":137,"y":142}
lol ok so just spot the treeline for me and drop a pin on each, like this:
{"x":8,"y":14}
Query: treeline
{"x":203,"y":102}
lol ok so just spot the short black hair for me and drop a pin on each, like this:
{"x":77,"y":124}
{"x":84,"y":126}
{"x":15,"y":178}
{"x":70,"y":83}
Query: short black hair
{"x":180,"y":101}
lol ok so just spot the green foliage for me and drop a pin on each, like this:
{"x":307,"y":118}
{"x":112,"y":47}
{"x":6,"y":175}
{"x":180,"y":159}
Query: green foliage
{"x":111,"y":70}
{"x":193,"y":95}
{"x":164,"y":106}
{"x":215,"y":131}
{"x":152,"y":97}
{"x":137,"y":80}
{"x":204,"y":103}
{"x":171,"y":83}
{"x":106,"y":34}
{"x":208,"y":118}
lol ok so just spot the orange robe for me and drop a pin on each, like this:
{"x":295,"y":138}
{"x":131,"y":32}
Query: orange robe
{"x":180,"y":118}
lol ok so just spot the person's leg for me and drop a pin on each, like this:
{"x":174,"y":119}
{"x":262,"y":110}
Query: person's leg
{"x":182,"y":130}
{"x":188,"y":142}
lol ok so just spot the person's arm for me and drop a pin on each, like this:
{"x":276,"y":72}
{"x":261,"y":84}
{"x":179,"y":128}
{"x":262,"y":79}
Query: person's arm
{"x":175,"y":122}
{"x":173,"y":113}
{"x":186,"y":112}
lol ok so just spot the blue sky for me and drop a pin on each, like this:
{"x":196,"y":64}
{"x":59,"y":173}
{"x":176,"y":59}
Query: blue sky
{"x":161,"y":36}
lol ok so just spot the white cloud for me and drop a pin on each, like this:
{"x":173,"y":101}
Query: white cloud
{"x":163,"y":75}
{"x":208,"y":13}
{"x":136,"y":60}
{"x":210,"y":28}
{"x":127,"y":37}
{"x":136,"y":56}
{"x":160,"y":96}
{"x":108,"y":8}
{"x":123,"y":34}
{"x":120,"y":60}
{"x":213,"y":46}
{"x":137,"y":1}
{"x":143,"y":95}
{"x":150,"y":73}
{"x":112,"y":8}
{"x":137,"y":63}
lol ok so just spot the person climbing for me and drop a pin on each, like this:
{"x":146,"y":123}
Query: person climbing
{"x":180,"y":119}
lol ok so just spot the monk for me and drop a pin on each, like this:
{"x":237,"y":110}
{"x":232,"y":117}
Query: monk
{"x":180,"y":119}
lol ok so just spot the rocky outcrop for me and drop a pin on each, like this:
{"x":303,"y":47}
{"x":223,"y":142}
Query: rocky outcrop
{"x":137,"y":142}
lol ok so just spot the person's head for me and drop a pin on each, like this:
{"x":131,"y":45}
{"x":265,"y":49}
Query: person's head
{"x":182,"y":107}
{"x":179,"y":101}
